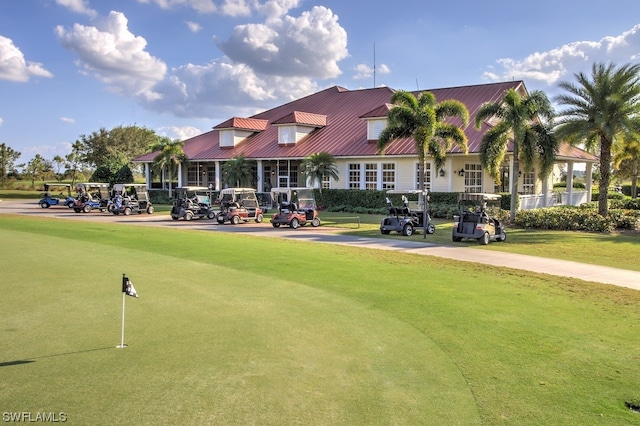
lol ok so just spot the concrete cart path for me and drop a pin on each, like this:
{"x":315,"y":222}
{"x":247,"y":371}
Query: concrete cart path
{"x":323,"y":234}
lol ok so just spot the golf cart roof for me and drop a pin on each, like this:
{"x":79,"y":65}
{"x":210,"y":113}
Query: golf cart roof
{"x":66,"y":185}
{"x":288,"y":189}
{"x":405,"y":191}
{"x":478,"y":196}
{"x":93,"y":184}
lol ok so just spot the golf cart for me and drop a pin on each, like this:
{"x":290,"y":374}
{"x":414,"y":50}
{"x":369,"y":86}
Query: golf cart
{"x":475,"y":221}
{"x":91,"y":196}
{"x":406,"y":219}
{"x":63,"y":199}
{"x":238,"y":204}
{"x":296,"y":207}
{"x":192,"y":202}
{"x":127,"y":198}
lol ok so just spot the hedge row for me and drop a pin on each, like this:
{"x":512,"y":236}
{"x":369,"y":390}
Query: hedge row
{"x":583,"y":218}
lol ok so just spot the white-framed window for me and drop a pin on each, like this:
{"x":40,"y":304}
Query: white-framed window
{"x":427,"y":176}
{"x":226,"y":138}
{"x":528,"y":182}
{"x":293,"y":175}
{"x":354,"y":176}
{"x":388,"y":176}
{"x":286,"y":135}
{"x":192,"y":175}
{"x":472,"y":178}
{"x":370,"y":176}
{"x":326,"y":182}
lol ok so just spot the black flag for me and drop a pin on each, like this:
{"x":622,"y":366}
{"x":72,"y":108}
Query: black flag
{"x":128,"y":288}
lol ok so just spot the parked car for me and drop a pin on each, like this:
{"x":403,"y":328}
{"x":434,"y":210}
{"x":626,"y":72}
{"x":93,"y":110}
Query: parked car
{"x":407,"y":220}
{"x":296,"y":207}
{"x":90,"y":196}
{"x":64,"y":197}
{"x":127,"y":198}
{"x":475,"y":220}
{"x":238,"y":205}
{"x":192,"y":202}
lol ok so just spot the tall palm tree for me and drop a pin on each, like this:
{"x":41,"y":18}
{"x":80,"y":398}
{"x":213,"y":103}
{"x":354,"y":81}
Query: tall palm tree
{"x":170,"y":156}
{"x":600,"y":107}
{"x":626,"y":160}
{"x":423,"y":119}
{"x":317,"y":166}
{"x":239,"y":171}
{"x":523,"y":121}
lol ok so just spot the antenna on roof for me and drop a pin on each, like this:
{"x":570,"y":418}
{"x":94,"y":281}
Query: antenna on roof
{"x":374,"y":64}
{"x":417,"y":86}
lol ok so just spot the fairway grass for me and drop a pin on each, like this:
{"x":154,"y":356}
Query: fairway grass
{"x":241,"y":330}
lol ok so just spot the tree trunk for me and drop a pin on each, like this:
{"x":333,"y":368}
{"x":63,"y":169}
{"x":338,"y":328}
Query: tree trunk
{"x":514,"y":184}
{"x":605,"y":176}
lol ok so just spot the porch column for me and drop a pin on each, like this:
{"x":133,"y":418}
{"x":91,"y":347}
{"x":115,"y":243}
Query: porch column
{"x":570,"y":182}
{"x":588,"y":176}
{"x":545,"y":192}
{"x":259,"y":185}
{"x":147,"y":174}
{"x":218,"y":182}
{"x":180,"y":175}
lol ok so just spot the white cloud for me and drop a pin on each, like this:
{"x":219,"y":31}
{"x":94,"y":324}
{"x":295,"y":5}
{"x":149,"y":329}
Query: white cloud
{"x":552,"y":66}
{"x":182,"y":133}
{"x":78,"y":6}
{"x":308,"y":46}
{"x":114,"y":55}
{"x":1,"y":121}
{"x":270,"y":8}
{"x":14,"y":67}
{"x":365,"y":71}
{"x":194,"y":27}
{"x":67,"y":120}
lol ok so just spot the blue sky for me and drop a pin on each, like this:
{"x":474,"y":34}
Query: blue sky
{"x":180,"y":67}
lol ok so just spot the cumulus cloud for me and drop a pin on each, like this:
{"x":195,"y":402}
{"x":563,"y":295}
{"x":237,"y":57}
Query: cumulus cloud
{"x":194,"y":27}
{"x":78,"y":6}
{"x":67,"y":120}
{"x":114,"y":55}
{"x":202,"y":6}
{"x":182,"y":133}
{"x":310,"y":45}
{"x":13,"y":65}
{"x":558,"y":64}
{"x":363,"y":71}
{"x":269,"y":8}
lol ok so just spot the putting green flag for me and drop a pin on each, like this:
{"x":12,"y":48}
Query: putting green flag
{"x":128,"y":288}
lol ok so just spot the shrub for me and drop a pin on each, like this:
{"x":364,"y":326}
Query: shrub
{"x":582,"y":218}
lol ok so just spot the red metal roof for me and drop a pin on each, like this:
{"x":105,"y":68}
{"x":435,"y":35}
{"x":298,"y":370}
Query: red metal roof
{"x":340,"y":116}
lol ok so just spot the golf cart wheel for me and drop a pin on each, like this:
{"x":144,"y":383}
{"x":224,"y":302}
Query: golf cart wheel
{"x":502,"y":237}
{"x":86,"y":208}
{"x":69,"y":204}
{"x":235,"y":220}
{"x":275,"y":224}
{"x":294,"y":223}
{"x":456,"y":239}
{"x":127,"y":211}
{"x":385,"y":231}
{"x":188,"y":216}
{"x":150,"y":210}
{"x":44,"y":205}
{"x":484,"y":240}
{"x":259,"y":218}
{"x":431,"y":228}
{"x":174,"y":217}
{"x":211,"y":215}
{"x":407,"y":230}
{"x":220,"y":220}
{"x":315,"y":222}
{"x":77,"y":210}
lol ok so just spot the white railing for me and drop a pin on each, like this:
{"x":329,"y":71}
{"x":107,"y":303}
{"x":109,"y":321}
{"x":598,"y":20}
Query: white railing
{"x":536,"y":201}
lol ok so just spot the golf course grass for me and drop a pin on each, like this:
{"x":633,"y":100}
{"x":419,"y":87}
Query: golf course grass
{"x":239,"y":330}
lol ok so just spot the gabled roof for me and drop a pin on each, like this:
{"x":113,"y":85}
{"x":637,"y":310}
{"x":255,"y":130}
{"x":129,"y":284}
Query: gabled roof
{"x":340,"y":117}
{"x":303,"y":118}
{"x":240,"y":123}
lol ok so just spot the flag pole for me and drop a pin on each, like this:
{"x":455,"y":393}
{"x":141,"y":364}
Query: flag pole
{"x":124,"y":283}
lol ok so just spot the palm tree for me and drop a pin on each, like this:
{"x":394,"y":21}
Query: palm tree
{"x":238,"y":171}
{"x":599,"y":108}
{"x":317,"y":166}
{"x":626,"y":160}
{"x":423,"y":119}
{"x":170,"y":156}
{"x":519,"y":122}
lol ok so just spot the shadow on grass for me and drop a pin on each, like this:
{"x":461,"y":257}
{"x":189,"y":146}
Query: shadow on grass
{"x":33,"y":359}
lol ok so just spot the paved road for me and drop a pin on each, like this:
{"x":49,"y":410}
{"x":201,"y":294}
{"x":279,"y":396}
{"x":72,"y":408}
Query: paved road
{"x":323,"y":234}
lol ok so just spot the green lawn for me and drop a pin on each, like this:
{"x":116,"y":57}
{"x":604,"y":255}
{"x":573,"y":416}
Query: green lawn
{"x":235,"y":329}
